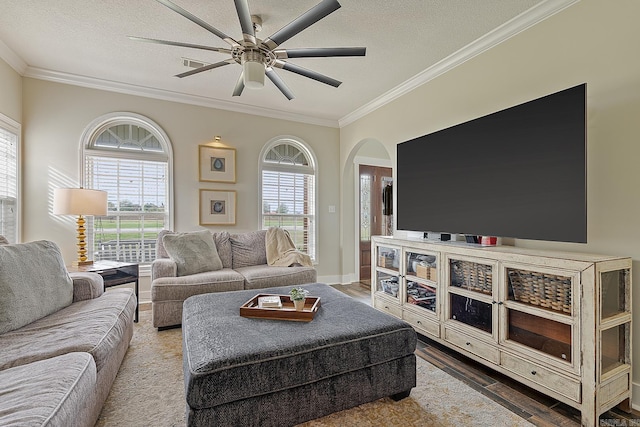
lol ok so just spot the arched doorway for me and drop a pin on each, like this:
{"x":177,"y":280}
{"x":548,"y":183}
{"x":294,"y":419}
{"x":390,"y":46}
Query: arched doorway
{"x":373,"y":184}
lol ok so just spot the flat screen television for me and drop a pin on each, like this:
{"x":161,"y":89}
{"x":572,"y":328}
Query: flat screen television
{"x":519,"y":172}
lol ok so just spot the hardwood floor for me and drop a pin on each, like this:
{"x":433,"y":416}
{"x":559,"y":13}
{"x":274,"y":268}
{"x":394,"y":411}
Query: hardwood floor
{"x":531,"y":405}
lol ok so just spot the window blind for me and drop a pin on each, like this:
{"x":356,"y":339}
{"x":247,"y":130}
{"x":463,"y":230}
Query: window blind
{"x":137,"y":192}
{"x":288,"y":202}
{"x":8,"y":185}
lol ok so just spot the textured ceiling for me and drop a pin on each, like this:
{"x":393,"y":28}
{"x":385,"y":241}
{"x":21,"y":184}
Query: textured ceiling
{"x":87,"y":40}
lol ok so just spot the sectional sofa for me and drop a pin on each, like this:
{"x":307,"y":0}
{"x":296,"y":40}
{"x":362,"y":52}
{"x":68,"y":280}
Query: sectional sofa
{"x":242,"y":265}
{"x":62,"y":339}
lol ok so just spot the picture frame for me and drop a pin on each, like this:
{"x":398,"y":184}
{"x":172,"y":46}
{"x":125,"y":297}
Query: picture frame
{"x":217,"y":207}
{"x":216,"y":164}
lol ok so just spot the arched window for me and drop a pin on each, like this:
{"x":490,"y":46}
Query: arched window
{"x":130,"y":157}
{"x":288,"y":183}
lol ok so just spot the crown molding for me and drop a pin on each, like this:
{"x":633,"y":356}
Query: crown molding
{"x":525,"y":20}
{"x":10,"y":57}
{"x":165,"y":95}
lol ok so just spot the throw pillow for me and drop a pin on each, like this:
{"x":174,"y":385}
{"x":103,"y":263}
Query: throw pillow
{"x":160,"y":251}
{"x":33,"y":283}
{"x":223,"y":245}
{"x":193,"y":252}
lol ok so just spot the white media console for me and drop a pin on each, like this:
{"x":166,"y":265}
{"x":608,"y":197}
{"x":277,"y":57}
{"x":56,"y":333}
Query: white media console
{"x":557,"y":322}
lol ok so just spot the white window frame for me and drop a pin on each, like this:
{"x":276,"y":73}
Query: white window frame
{"x":9,"y":125}
{"x":313,"y":166}
{"x":102,"y":123}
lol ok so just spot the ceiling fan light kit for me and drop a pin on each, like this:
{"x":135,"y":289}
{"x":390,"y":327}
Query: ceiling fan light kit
{"x":253,"y":70}
{"x":259,"y":57}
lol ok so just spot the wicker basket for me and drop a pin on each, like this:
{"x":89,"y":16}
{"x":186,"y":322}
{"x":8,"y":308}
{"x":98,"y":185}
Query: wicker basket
{"x":544,"y":290}
{"x":471,"y":275}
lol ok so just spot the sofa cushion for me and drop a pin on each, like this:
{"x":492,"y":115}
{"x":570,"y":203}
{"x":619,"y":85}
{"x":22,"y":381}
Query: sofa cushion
{"x":249,"y":248}
{"x":3,"y":240}
{"x":181,"y":288}
{"x":193,"y":252}
{"x":265,"y":276}
{"x":96,"y":326}
{"x":51,"y":392}
{"x":33,"y":283}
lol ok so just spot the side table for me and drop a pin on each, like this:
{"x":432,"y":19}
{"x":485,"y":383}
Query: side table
{"x":113,"y":273}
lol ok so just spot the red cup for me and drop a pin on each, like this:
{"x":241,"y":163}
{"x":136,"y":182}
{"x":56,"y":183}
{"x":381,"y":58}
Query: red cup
{"x":488,"y":240}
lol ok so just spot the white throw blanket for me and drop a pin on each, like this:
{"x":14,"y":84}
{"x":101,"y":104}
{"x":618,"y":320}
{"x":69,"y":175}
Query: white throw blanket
{"x":281,"y":251}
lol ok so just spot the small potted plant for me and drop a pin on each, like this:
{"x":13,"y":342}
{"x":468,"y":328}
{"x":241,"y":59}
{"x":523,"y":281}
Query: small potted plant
{"x":298,"y":296}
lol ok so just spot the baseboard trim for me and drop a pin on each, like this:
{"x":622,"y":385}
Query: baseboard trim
{"x":635,"y":392}
{"x":345,"y":279}
{"x":330,"y":280}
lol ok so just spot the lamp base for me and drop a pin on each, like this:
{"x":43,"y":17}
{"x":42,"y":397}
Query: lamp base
{"x":81,"y":263}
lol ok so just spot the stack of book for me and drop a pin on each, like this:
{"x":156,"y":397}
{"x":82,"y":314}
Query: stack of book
{"x":269,"y":301}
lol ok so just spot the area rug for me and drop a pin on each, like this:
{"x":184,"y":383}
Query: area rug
{"x":149,"y":391}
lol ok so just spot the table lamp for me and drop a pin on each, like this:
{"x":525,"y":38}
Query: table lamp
{"x":80,"y":201}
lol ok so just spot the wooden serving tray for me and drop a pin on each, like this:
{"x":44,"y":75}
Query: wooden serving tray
{"x":287,"y":312}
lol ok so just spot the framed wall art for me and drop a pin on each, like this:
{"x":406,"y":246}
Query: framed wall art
{"x":216,"y":164}
{"x":217,"y":207}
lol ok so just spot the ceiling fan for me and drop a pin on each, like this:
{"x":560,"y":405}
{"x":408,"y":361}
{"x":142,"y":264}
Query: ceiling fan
{"x":259,"y":57}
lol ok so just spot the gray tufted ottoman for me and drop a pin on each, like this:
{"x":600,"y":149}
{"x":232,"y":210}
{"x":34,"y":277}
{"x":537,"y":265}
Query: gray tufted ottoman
{"x":258,"y":372}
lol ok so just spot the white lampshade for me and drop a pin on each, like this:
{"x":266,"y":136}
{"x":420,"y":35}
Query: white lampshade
{"x":79,"y":201}
{"x":253,"y":74}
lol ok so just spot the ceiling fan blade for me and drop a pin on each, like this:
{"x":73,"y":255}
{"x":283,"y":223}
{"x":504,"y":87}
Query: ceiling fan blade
{"x":198,"y":21}
{"x":320,"y":52}
{"x":239,"y":85}
{"x":280,"y":84}
{"x":242,"y":7}
{"x":206,"y":68}
{"x":307,"y":73}
{"x":310,"y":17}
{"x":171,"y":43}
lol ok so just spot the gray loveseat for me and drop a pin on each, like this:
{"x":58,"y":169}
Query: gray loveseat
{"x":62,"y":339}
{"x":243,"y":265}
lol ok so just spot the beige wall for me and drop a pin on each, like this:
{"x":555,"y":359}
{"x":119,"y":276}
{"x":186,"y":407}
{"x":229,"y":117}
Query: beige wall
{"x":594,"y":42}
{"x":10,"y":92}
{"x":55,"y":116}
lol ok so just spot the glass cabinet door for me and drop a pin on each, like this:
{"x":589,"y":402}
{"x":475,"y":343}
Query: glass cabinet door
{"x":615,"y":312}
{"x":615,"y":347}
{"x":615,"y":285}
{"x":388,"y":284}
{"x":421,"y":275}
{"x":548,"y":336}
{"x":472,"y":312}
{"x":470,"y":293}
{"x":471,"y":275}
{"x":387,"y":272}
{"x":550,"y":329}
{"x":388,"y":258}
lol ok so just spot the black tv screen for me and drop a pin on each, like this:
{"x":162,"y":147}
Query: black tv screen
{"x":519,"y":172}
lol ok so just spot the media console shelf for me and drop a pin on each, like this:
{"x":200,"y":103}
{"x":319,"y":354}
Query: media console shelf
{"x":558,"y":322}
